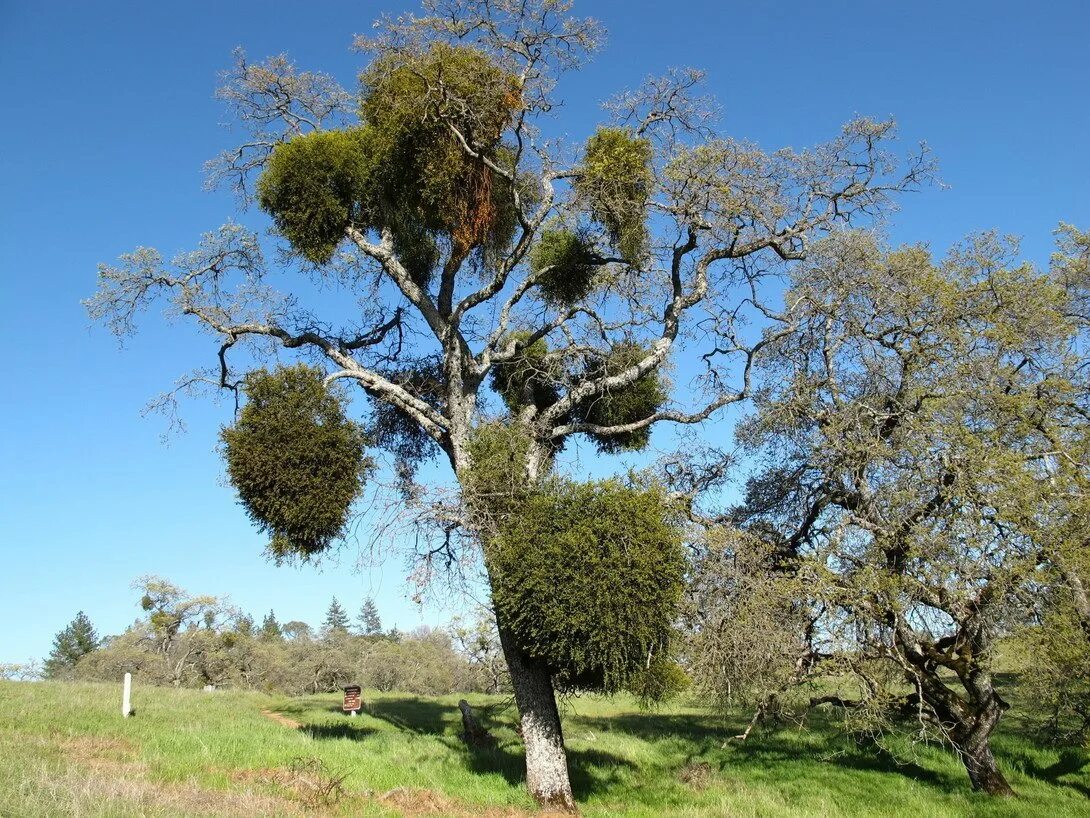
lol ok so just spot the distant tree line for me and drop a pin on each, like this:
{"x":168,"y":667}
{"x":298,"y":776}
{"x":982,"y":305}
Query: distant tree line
{"x":194,"y":641}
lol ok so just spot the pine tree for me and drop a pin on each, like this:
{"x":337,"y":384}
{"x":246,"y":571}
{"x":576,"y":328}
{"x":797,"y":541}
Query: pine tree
{"x":370,"y":624}
{"x":270,"y":628}
{"x":72,"y":643}
{"x":244,"y":623}
{"x":336,"y":620}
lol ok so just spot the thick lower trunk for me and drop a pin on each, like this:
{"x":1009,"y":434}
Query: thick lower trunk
{"x":983,"y":771}
{"x":542,"y":736}
{"x":970,"y":717}
{"x":972,"y":731}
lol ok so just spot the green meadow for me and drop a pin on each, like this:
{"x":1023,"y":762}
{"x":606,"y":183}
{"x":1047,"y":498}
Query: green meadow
{"x":65,"y":750}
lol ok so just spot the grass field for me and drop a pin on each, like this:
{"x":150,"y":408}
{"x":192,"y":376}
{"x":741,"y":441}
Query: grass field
{"x":65,"y":750}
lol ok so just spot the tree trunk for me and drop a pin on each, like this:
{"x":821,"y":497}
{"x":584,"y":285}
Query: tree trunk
{"x":542,"y":736}
{"x":983,"y":771}
{"x":474,"y":733}
{"x":972,"y":724}
{"x":1079,"y":595}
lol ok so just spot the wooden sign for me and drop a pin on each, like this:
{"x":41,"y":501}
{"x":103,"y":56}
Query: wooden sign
{"x":352,"y":699}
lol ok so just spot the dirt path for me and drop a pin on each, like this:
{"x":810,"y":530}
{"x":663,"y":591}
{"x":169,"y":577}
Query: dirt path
{"x":280,"y":719}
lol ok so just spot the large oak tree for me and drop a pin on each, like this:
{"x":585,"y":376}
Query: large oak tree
{"x":484,"y":253}
{"x":922,"y":431}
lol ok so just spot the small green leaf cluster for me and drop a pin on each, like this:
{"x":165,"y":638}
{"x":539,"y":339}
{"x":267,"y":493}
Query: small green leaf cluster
{"x":497,"y":480}
{"x":295,"y":459}
{"x":615,"y":183}
{"x":627,"y":404}
{"x":563,"y":262}
{"x":404,"y":169}
{"x":588,"y":577}
{"x":532,"y":378}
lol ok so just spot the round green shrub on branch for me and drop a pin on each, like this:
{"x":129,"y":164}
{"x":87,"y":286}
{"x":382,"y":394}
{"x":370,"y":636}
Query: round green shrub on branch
{"x":495,"y":484}
{"x":659,"y":681}
{"x":528,"y":378}
{"x":565,"y":265}
{"x":404,"y":169}
{"x":315,"y":186}
{"x":295,"y":459}
{"x":627,"y":404}
{"x":424,"y":175}
{"x":588,"y":577}
{"x":616,"y":184}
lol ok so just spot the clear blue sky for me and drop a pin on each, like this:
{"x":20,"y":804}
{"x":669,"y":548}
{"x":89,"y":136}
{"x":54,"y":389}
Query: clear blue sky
{"x":109,"y":116}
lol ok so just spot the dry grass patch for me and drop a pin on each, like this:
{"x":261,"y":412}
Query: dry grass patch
{"x":697,"y":775}
{"x":81,"y":790}
{"x":412,"y":801}
{"x":306,"y":780}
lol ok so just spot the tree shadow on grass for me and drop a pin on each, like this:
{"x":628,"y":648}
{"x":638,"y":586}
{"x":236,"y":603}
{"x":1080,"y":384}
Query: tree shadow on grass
{"x":330,"y":731}
{"x":418,"y":716}
{"x":301,"y":706}
{"x":656,"y":727}
{"x":406,"y":713}
{"x":595,"y":771}
{"x":591,"y":771}
{"x":879,"y":760}
{"x":710,"y":737}
{"x":1071,"y":761}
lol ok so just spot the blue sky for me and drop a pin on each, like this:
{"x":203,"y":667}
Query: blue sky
{"x":110,"y":115}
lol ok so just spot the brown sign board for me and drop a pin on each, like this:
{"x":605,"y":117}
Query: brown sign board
{"x":352,"y":698}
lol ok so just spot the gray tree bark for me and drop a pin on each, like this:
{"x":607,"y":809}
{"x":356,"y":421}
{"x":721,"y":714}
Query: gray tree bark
{"x":1079,"y":596}
{"x":542,"y":735}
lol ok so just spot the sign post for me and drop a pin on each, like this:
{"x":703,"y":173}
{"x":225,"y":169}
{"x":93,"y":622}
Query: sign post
{"x":126,"y":696}
{"x":352,"y":700}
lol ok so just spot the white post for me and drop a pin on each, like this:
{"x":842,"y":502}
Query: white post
{"x":126,"y":696}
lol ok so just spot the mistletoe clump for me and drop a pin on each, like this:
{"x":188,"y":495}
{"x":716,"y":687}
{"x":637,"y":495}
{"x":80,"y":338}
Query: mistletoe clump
{"x":406,"y":169}
{"x":527,"y":379}
{"x":588,"y":577}
{"x":426,"y":110}
{"x":659,"y":681}
{"x":627,"y":404}
{"x":497,"y":481}
{"x":295,"y":459}
{"x":564,"y":263}
{"x":315,"y":186}
{"x":615,"y":183}
{"x":396,"y":431}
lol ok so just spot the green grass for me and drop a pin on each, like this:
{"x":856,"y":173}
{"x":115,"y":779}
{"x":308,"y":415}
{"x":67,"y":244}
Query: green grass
{"x":65,"y":750}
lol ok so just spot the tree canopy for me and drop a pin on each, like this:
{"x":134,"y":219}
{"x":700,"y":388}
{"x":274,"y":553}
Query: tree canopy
{"x":911,"y":425}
